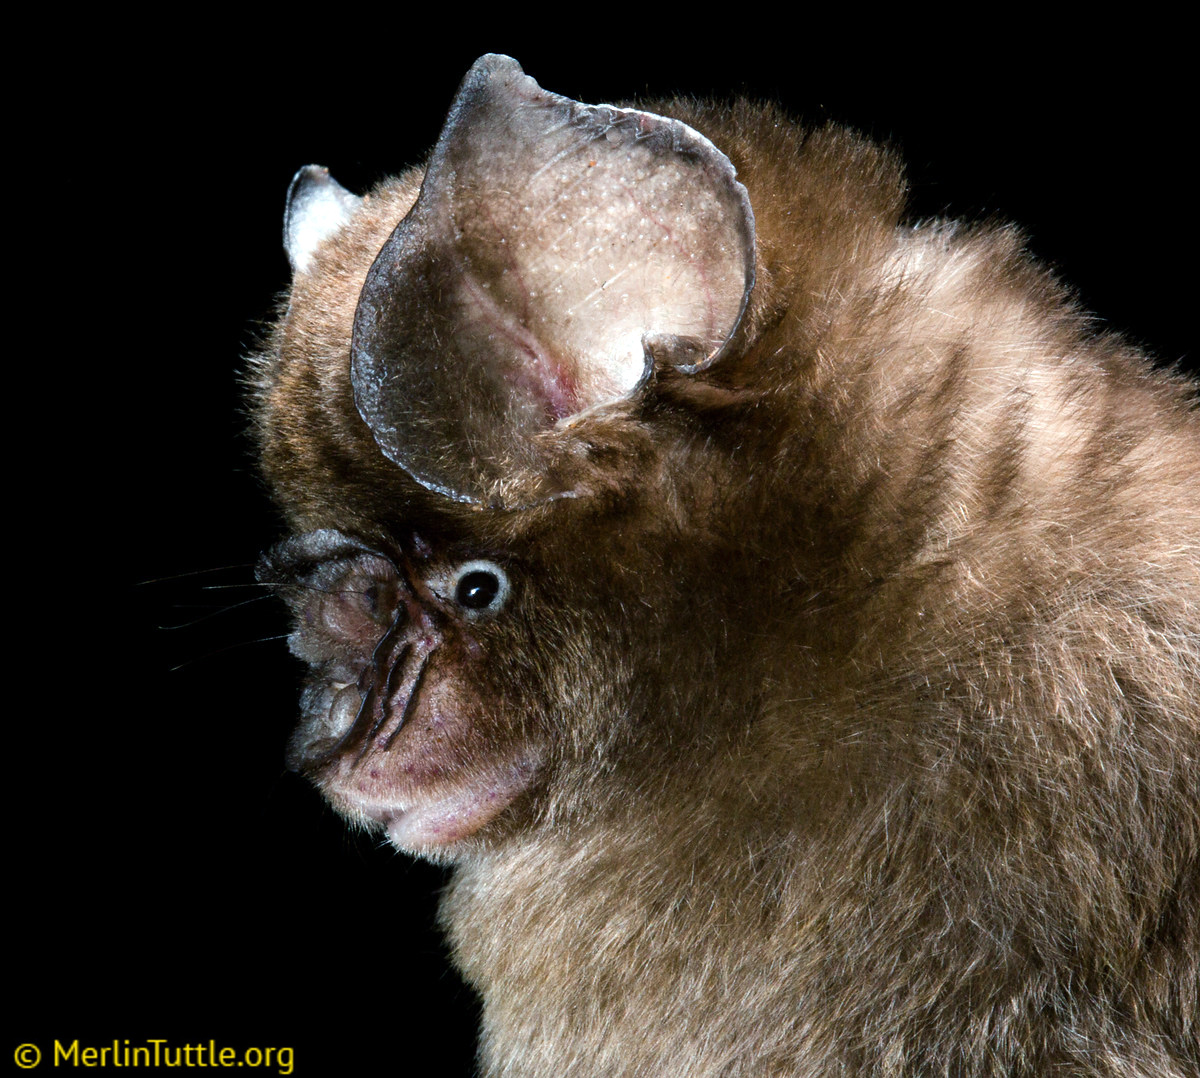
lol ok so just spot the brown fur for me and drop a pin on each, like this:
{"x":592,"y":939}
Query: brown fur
{"x":863,"y":682}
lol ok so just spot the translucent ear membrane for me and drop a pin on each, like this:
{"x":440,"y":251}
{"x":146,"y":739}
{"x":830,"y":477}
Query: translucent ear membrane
{"x":556,"y":253}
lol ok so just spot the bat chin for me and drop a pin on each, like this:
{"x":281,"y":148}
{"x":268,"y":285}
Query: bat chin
{"x":432,"y":819}
{"x":446,"y":821}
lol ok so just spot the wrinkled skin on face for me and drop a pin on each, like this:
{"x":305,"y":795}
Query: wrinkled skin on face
{"x":398,"y":671}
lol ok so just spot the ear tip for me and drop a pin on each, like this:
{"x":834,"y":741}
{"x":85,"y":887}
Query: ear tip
{"x":492,"y":70}
{"x":493,"y":79}
{"x":306,"y":173}
{"x":305,"y":183}
{"x":317,"y":206}
{"x":497,"y":61}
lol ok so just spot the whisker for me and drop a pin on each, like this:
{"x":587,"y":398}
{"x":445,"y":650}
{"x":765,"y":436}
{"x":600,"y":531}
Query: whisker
{"x":213,"y":614}
{"x":228,"y":647}
{"x":196,"y":572}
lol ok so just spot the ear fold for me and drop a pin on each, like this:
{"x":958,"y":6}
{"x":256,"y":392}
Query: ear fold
{"x":555,"y":253}
{"x":317,"y":206}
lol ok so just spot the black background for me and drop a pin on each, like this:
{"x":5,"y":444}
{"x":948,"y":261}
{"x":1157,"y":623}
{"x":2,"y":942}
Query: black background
{"x":170,"y":878}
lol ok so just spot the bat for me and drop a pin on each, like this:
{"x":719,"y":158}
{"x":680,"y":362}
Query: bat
{"x":784,"y":616}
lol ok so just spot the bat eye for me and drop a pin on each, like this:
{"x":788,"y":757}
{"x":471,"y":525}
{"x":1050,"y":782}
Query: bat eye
{"x":481,"y":587}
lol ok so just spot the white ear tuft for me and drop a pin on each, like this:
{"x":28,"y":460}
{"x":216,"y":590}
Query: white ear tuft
{"x":317,"y":206}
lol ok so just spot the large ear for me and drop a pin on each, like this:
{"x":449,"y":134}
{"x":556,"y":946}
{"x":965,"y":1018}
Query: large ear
{"x":556,"y":252}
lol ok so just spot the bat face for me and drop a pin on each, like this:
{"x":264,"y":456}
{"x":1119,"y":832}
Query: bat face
{"x":402,"y":654}
{"x":492,"y":676}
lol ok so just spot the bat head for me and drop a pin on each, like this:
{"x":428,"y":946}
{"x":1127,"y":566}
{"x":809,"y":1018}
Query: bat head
{"x":509,"y":415}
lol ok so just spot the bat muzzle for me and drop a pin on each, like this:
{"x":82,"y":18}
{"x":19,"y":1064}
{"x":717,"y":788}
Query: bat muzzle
{"x":366,"y":716}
